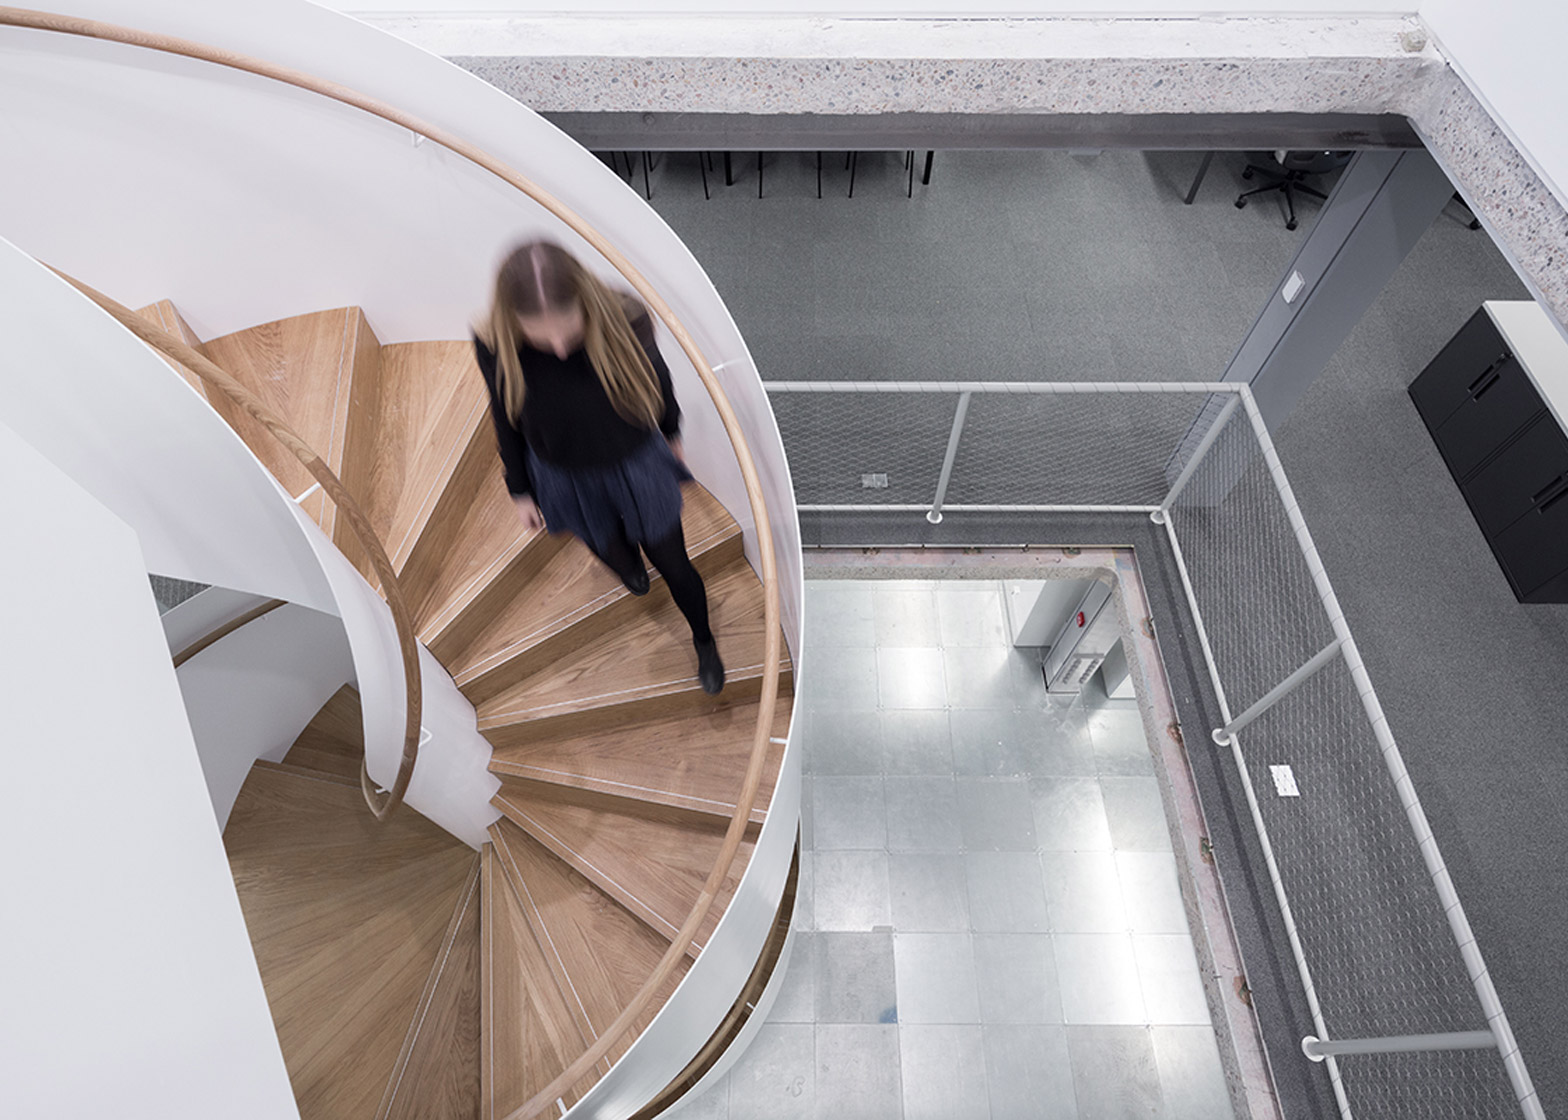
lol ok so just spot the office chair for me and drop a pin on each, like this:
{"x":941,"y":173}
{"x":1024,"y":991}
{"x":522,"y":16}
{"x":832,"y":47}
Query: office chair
{"x":1287,"y":172}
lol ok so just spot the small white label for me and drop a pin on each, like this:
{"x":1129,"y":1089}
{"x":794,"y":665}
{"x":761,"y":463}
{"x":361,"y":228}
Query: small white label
{"x":874,"y":481}
{"x":1293,"y":285}
{"x":1284,"y":781}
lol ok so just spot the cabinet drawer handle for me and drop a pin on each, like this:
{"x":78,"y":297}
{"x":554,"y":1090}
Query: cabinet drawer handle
{"x":1488,"y":378}
{"x":1562,"y":492}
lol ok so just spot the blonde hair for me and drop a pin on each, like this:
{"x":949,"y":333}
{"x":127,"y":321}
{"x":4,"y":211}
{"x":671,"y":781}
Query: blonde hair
{"x":540,"y":276}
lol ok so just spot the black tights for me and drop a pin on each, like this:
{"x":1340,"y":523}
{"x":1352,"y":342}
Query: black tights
{"x":669,"y":557}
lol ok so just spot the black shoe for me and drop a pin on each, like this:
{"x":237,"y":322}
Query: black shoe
{"x":710,"y":670}
{"x":637,"y":583}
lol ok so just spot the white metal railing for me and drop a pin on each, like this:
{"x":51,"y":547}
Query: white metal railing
{"x":1208,"y":412}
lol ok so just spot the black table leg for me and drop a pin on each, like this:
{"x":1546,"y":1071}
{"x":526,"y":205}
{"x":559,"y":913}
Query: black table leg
{"x":925,"y":177}
{"x":854,"y":165}
{"x":729,"y":178}
{"x":1203,"y":169}
{"x":909,"y":162}
{"x":647,"y":189}
{"x":703,"y":167}
{"x":819,"y":174}
{"x":759,"y":174}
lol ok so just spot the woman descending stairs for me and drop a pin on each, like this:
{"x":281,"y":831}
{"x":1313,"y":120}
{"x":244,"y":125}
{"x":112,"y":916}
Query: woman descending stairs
{"x":408,"y":975}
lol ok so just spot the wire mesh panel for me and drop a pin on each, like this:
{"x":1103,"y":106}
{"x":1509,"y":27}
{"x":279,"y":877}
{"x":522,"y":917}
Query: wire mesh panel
{"x":1458,"y":1084}
{"x":1258,"y":602}
{"x":1070,"y":449}
{"x":1372,"y":928}
{"x":839,"y":443}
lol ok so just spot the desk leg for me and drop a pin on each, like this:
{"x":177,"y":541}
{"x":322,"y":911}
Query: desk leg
{"x":1203,"y":169}
{"x":925,"y":177}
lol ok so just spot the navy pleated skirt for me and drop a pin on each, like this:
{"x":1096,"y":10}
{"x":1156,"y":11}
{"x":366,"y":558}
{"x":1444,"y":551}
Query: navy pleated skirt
{"x":638,"y":498}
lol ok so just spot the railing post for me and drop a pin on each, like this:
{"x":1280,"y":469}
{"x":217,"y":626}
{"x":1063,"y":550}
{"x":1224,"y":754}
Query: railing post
{"x":1317,"y":1049}
{"x":1159,"y":515}
{"x":935,"y":516}
{"x":1224,"y":735}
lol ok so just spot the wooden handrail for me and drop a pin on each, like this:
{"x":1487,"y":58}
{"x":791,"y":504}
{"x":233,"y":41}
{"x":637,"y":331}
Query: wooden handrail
{"x":381,"y":804}
{"x":216,"y":635}
{"x":773,"y":640}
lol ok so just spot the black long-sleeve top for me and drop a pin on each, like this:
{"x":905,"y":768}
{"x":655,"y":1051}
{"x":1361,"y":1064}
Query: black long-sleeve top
{"x":567,"y":418}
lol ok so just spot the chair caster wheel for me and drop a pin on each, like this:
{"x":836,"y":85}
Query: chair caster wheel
{"x":1247,"y":174}
{"x":1290,"y":225}
{"x":1241,"y":204}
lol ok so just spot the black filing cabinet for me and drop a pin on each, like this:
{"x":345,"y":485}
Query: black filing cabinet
{"x":1506,"y":451}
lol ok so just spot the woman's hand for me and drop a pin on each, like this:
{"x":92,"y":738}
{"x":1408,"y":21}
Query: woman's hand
{"x":528,"y":511}
{"x":677,"y":449}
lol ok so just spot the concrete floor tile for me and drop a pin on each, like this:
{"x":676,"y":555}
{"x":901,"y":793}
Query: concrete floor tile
{"x":1114,"y":1073}
{"x":1083,"y":892}
{"x":905,"y":616}
{"x":910,"y":678}
{"x":929,"y":892}
{"x":944,"y":1073}
{"x":1029,"y":1072}
{"x":1151,"y":895}
{"x":1069,"y":815}
{"x":1016,"y":976}
{"x":796,"y":1001}
{"x":1136,"y":815}
{"x":850,"y":890}
{"x":848,"y":812}
{"x":1006,"y":892}
{"x":916,"y":742}
{"x":922,"y":813}
{"x":858,"y":1072}
{"x":1098,"y":974}
{"x":843,"y":742}
{"x":1168,"y":976}
{"x":996,"y":814}
{"x":777,"y":1075}
{"x":1192,"y":1080}
{"x":855,"y":979}
{"x":936,"y":978}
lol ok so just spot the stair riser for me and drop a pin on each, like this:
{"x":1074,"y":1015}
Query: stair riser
{"x":715,"y":809}
{"x":456,"y":630}
{"x":592,"y":621}
{"x":739,"y":688}
{"x":418,"y":573}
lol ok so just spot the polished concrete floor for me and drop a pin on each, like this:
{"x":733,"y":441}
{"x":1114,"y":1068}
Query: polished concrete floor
{"x":989,"y":922}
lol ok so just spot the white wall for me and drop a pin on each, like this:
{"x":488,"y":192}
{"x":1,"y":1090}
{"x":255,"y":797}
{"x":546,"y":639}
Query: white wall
{"x":249,"y":694}
{"x":110,"y":414}
{"x":1510,"y":54}
{"x":130,"y":983}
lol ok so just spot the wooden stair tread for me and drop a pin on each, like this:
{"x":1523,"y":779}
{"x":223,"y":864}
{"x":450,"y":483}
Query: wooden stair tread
{"x":431,"y":400}
{"x":651,"y":656}
{"x":166,"y":316}
{"x":571,"y":591}
{"x":303,"y":369}
{"x":689,"y":763}
{"x":652,"y":859}
{"x":438,"y":1069}
{"x":347,"y":916}
{"x":332,"y":741}
{"x":600,"y":953}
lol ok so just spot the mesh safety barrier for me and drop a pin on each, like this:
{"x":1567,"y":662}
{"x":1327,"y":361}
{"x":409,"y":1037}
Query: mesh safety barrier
{"x":1372,"y":927}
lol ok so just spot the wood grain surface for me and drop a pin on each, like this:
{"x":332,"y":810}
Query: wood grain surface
{"x":651,"y":859}
{"x":437,"y":1075}
{"x":333,"y":741}
{"x":600,"y":953}
{"x":165,"y":315}
{"x":687,"y":762}
{"x":575,"y":599}
{"x":347,"y":916}
{"x":302,"y":368}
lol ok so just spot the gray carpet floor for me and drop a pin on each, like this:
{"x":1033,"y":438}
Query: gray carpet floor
{"x":1054,"y":266}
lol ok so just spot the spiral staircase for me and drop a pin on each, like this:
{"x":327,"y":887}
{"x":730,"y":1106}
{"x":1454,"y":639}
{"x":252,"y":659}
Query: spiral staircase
{"x":408,"y":975}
